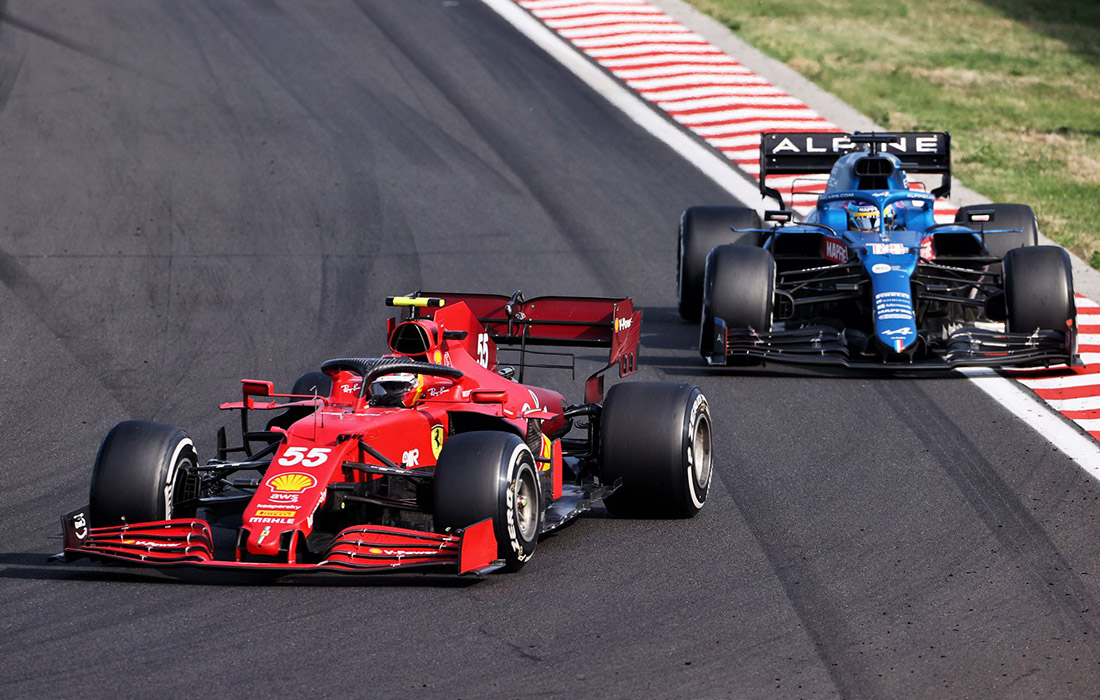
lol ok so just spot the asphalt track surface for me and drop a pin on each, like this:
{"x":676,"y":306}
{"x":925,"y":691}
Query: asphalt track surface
{"x":198,"y":192}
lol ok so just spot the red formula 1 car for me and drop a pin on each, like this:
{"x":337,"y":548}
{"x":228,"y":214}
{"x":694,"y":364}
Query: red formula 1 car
{"x":433,"y":457}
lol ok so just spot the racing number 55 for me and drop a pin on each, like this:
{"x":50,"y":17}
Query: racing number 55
{"x":483,"y":349}
{"x":307,"y":457}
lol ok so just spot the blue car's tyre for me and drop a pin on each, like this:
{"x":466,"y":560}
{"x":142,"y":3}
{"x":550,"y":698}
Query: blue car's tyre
{"x":656,"y":438}
{"x":1005,"y":216}
{"x":1038,"y":289}
{"x":701,"y":230}
{"x":739,"y":289}
{"x":141,"y":474}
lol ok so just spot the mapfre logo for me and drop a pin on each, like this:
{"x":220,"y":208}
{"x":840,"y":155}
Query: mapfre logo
{"x":834,"y":249}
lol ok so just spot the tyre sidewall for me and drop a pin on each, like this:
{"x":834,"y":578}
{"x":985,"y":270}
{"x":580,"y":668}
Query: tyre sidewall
{"x":518,"y":465}
{"x":740,"y":287}
{"x":137,"y":472}
{"x":647,"y":429}
{"x":473,"y":481}
{"x":697,"y":477}
{"x":701,"y":230}
{"x":1038,"y":289}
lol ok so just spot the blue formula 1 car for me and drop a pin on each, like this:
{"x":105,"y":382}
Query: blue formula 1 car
{"x":868,"y":278}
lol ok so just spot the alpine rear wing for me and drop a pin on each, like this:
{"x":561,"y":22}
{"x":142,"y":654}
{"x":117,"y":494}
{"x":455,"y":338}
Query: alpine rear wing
{"x":815,"y":153}
{"x":560,"y":321}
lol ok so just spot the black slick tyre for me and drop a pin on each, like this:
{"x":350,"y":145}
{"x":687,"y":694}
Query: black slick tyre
{"x":141,"y":475}
{"x":701,"y":230}
{"x":656,"y":438}
{"x":490,"y":474}
{"x":315,"y":383}
{"x":739,"y":288}
{"x":1005,"y":216}
{"x":1038,"y":289}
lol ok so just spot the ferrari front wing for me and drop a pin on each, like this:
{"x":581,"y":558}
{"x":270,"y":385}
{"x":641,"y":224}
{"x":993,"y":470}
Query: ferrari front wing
{"x":361,"y":549}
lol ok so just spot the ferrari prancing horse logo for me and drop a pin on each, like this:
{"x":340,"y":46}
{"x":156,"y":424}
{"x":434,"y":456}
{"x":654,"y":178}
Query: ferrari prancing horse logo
{"x":437,"y":440}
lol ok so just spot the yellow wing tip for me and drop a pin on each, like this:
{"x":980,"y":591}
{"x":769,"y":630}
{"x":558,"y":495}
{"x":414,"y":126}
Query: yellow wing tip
{"x":420,"y":302}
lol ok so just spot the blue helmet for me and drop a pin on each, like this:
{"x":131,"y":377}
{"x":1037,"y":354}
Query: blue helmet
{"x":862,"y":217}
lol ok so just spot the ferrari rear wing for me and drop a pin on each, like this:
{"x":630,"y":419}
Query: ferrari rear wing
{"x":815,"y":153}
{"x":560,"y":321}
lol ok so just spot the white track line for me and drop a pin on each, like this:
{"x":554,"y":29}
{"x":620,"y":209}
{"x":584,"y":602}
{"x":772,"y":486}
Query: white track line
{"x":1082,"y":449}
{"x":1030,"y":409}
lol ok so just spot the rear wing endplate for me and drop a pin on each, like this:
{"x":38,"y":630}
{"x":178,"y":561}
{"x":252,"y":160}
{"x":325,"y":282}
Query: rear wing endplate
{"x":815,"y":153}
{"x":561,"y":321}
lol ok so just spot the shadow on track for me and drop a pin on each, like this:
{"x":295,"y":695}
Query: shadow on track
{"x":37,"y":566}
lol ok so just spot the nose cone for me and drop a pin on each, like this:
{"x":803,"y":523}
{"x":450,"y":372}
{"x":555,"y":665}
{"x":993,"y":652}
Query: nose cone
{"x":895,"y":321}
{"x":284,"y":502}
{"x":263,"y":542}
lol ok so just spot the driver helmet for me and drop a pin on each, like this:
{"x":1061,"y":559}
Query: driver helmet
{"x":394,"y":384}
{"x":862,"y":217}
{"x":889,"y":218}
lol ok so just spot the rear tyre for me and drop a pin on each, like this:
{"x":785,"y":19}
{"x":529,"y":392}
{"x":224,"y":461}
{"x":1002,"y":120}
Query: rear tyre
{"x":490,"y":474}
{"x":656,"y":437}
{"x":140,"y":475}
{"x":1038,"y":289}
{"x":314,"y":383}
{"x":1005,"y":216}
{"x":739,"y":288}
{"x":701,"y":230}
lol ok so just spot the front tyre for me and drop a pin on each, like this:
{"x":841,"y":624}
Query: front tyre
{"x":142,"y":474}
{"x":656,"y":438}
{"x":490,"y":474}
{"x":1038,"y":289}
{"x":701,"y":230}
{"x":739,"y":289}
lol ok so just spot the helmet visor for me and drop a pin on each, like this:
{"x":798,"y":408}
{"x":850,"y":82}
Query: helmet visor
{"x":863,"y":221}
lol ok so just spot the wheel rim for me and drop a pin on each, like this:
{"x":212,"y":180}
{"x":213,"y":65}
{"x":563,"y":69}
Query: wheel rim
{"x":700,"y":451}
{"x":526,"y":499}
{"x":180,"y":492}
